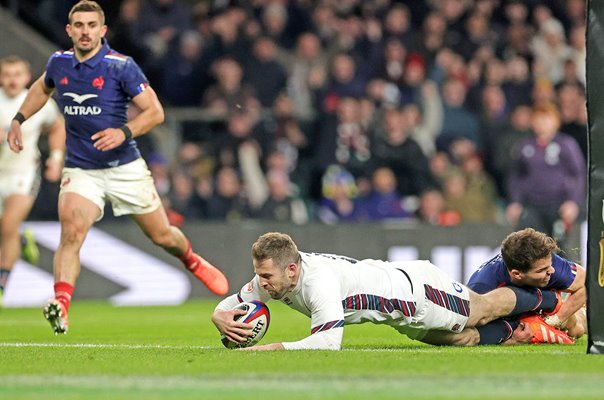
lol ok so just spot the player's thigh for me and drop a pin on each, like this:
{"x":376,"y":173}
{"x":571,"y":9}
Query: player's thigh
{"x":131,"y":189}
{"x":82,"y":194}
{"x":76,"y":214}
{"x":15,"y":210}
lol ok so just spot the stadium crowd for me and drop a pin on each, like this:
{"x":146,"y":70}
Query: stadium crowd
{"x":350,"y":110}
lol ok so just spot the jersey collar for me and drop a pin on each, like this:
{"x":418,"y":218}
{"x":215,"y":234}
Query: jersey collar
{"x":94,"y":60}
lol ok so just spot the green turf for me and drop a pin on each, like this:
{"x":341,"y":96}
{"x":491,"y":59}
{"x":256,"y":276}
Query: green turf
{"x":175,"y":352}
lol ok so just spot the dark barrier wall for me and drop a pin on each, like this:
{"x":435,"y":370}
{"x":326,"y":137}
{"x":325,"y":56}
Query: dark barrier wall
{"x":595,"y":108}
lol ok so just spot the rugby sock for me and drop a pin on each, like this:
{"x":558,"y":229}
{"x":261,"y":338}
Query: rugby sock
{"x":496,"y":331}
{"x":188,"y":258}
{"x":533,"y":299}
{"x":63,"y":292}
{"x":4,"y":273}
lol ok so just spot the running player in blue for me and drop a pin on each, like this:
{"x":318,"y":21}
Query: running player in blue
{"x":528,"y":258}
{"x":93,"y":86}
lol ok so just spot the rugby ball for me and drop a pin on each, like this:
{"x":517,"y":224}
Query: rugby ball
{"x":256,"y":314}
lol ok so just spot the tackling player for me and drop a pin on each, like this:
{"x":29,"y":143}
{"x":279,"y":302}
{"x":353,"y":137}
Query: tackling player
{"x":94,"y":85}
{"x":20,"y":174}
{"x":528,"y":259}
{"x":414,"y":297}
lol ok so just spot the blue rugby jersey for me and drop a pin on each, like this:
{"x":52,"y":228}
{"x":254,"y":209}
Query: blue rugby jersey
{"x":93,"y":96}
{"x":493,"y":274}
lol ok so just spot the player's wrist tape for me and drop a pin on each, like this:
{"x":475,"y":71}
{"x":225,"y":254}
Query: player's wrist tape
{"x":127,"y":132}
{"x":20,"y":118}
{"x":56,"y":155}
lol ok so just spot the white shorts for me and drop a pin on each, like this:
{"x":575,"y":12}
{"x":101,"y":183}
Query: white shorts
{"x":128,"y":187}
{"x":25,"y":182}
{"x":442,"y":303}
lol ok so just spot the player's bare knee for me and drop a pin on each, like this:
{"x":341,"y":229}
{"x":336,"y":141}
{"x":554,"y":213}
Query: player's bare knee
{"x":73,"y":233}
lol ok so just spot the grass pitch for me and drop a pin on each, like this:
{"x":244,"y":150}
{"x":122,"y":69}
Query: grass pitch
{"x":175,"y":353}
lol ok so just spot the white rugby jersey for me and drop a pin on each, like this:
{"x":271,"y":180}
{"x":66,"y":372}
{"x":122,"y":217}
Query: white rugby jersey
{"x":335,"y":290}
{"x":29,"y":157}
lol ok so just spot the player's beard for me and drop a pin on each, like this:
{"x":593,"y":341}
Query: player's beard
{"x":84,"y":51}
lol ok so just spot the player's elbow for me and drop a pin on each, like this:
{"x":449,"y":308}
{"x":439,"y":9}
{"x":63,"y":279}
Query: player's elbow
{"x":159,"y":115}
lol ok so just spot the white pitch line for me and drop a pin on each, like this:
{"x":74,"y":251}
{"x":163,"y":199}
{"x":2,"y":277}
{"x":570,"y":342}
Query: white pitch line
{"x":107,"y":346}
{"x":426,"y":350}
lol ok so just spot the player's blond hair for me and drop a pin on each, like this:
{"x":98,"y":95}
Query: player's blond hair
{"x":521,"y":249}
{"x":87,"y":6}
{"x":277,"y":246}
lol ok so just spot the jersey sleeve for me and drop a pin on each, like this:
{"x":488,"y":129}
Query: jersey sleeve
{"x":50,"y":71}
{"x":249,"y":292}
{"x":327,"y":315}
{"x":133,"y":80}
{"x":565,"y":273}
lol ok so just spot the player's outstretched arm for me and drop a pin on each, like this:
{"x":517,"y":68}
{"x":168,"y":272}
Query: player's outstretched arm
{"x":573,"y":302}
{"x":37,"y":96}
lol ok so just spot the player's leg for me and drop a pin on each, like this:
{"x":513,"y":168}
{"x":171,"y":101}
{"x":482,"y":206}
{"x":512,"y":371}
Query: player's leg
{"x":132,"y":192}
{"x":15,"y":209}
{"x":156,"y":226}
{"x":510,"y":301}
{"x":467,"y":337}
{"x":77,"y":214}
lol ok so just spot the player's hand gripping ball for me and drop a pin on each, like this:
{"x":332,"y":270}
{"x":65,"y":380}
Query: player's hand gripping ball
{"x":258,"y":315}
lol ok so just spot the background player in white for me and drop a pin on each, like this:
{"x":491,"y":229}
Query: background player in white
{"x":414,"y":297}
{"x":20,"y":174}
{"x":93,"y":86}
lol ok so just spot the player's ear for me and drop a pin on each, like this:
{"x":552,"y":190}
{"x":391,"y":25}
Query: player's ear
{"x":292,"y":268}
{"x":68,"y":29}
{"x":103,"y":31}
{"x":516,"y":274}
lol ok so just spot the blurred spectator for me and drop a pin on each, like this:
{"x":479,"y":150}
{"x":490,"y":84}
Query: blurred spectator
{"x":184,"y":77}
{"x":502,"y":157}
{"x":264,"y":73}
{"x":158,"y":24}
{"x":239,"y":131}
{"x":470,"y":205}
{"x":414,"y":76}
{"x":433,"y":36}
{"x":425,"y":120}
{"x":550,"y":50}
{"x":547,"y":183}
{"x":578,"y":52}
{"x":543,"y":93}
{"x":383,"y":202}
{"x":397,"y":24}
{"x":227,"y":202}
{"x":160,"y":172}
{"x":122,"y":35}
{"x":518,"y":82}
{"x":573,"y":113}
{"x":229,"y":94}
{"x":396,"y":150}
{"x":282,"y":204}
{"x":458,"y":121}
{"x":432,"y":209}
{"x":343,"y":82}
{"x":343,"y":140}
{"x":339,"y":197}
{"x":392,"y":64}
